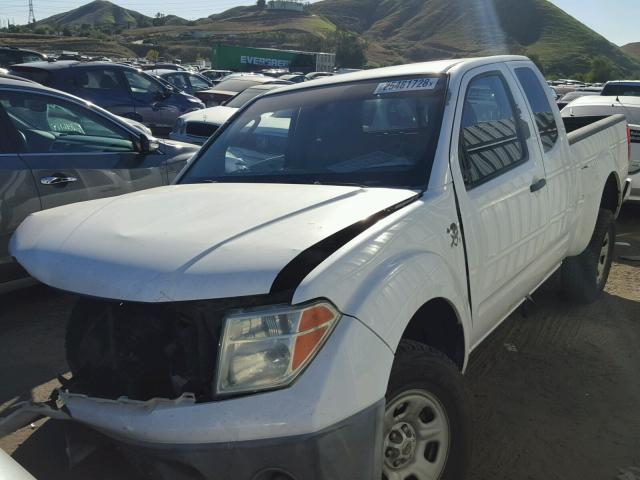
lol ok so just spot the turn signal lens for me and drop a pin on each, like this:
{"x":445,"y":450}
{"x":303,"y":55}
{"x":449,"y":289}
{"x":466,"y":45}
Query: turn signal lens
{"x":268,"y":348}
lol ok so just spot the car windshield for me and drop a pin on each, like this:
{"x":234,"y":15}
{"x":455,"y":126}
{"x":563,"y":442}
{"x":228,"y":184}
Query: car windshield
{"x":245,"y":96}
{"x":374,"y":133}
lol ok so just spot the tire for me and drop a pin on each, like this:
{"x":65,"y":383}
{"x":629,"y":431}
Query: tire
{"x":426,"y":396}
{"x":585,"y":276}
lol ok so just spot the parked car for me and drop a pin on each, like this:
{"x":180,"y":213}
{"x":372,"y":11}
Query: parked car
{"x":187,"y":82}
{"x":588,"y":109}
{"x":232,"y":86}
{"x":315,"y":75}
{"x":303,"y":302}
{"x":120,"y":89}
{"x":12,"y":55}
{"x":58,"y":149}
{"x":621,"y":88}
{"x":197,"y":127}
{"x":294,"y":77}
{"x":163,"y":66}
{"x":215,"y":75}
{"x":571,"y":96}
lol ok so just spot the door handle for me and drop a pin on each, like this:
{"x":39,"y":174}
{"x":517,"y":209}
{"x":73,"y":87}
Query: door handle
{"x":55,"y":180}
{"x":538,"y":185}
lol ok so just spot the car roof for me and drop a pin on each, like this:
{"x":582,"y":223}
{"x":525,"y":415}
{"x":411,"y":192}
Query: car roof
{"x":268,"y":86}
{"x":63,"y":64}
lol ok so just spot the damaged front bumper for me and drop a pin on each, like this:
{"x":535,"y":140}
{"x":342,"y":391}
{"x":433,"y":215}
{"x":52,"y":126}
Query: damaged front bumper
{"x":327,"y":425}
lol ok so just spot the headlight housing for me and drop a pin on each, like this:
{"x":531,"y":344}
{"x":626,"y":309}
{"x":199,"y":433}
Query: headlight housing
{"x":268,"y":348}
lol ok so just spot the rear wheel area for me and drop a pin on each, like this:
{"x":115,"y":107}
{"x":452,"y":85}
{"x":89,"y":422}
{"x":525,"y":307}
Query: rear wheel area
{"x":585,"y":276}
{"x":427,"y":422}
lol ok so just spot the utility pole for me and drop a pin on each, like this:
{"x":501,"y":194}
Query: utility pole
{"x":32,"y":16}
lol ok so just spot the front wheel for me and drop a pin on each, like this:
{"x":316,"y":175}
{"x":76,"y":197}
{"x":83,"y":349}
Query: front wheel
{"x":427,"y":422}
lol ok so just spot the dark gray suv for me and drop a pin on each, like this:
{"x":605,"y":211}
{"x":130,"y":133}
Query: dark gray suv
{"x":57,"y":149}
{"x":121,"y":89}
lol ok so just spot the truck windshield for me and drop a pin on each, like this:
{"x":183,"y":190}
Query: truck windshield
{"x":380,"y":133}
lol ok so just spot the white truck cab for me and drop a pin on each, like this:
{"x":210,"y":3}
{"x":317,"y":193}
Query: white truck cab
{"x":302,"y":303}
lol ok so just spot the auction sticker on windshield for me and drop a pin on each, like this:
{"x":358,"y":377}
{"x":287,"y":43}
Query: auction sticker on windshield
{"x":409,"y":85}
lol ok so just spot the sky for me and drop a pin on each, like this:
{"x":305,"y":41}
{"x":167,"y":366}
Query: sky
{"x":617,"y":20}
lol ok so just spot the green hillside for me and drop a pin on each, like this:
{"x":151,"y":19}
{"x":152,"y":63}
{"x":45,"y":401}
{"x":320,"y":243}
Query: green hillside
{"x":97,"y":13}
{"x":395,"y":31}
{"x":632,"y":49}
{"x":413,"y":30}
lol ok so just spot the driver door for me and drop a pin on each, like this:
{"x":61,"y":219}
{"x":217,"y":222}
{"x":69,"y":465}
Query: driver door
{"x":76,"y":154}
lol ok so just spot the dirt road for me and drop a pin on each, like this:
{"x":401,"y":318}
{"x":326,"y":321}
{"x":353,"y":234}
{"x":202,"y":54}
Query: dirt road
{"x":556,"y":387}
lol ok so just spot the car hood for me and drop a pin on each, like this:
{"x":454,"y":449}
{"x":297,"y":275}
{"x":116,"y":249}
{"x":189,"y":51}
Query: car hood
{"x":214,"y":115}
{"x":188,"y":242}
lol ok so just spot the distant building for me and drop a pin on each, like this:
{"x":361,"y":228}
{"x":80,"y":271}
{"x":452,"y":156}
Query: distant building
{"x":285,"y":5}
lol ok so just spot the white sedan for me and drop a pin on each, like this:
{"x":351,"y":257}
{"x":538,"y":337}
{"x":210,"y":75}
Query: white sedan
{"x":196,"y":127}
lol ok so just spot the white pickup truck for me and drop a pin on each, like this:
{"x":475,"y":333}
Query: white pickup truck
{"x":301,"y":305}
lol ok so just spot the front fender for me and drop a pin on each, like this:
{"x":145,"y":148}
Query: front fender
{"x":386,"y":277}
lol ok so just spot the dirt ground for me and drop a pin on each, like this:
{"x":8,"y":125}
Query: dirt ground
{"x":556,"y":388}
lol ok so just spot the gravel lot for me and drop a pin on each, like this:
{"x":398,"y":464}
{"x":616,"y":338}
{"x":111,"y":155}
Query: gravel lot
{"x":556,"y":387}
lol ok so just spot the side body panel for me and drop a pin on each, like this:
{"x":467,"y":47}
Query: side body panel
{"x":561,"y":173}
{"x":505,"y":223}
{"x":597,"y":156}
{"x":18,"y":198}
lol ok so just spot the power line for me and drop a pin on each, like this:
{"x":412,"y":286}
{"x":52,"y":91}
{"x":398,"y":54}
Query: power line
{"x":32,"y":16}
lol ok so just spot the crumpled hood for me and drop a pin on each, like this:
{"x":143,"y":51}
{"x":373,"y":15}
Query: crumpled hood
{"x":188,"y":242}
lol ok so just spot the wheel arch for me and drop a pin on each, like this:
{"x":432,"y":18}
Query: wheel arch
{"x":611,"y":194}
{"x":437,"y":324}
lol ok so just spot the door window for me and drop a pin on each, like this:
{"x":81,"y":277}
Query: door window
{"x":143,"y":84}
{"x":198,"y":83}
{"x":178,"y":80}
{"x":539,"y":102}
{"x":490,"y":139}
{"x":52,"y":125}
{"x":99,"y":80}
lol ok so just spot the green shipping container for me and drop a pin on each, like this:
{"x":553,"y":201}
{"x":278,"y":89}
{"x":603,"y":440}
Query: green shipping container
{"x":247,"y":59}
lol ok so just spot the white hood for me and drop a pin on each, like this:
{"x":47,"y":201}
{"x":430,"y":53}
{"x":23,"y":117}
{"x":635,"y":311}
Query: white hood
{"x":213,"y":115}
{"x":188,"y":242}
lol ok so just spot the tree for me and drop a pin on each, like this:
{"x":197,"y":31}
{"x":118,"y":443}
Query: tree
{"x":262,"y":4}
{"x":152,"y":55}
{"x":350,"y":50}
{"x":602,"y":70}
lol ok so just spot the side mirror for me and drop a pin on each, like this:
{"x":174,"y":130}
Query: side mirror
{"x":148,"y":145}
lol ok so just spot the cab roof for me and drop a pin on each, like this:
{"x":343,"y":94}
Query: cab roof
{"x":425,"y":68}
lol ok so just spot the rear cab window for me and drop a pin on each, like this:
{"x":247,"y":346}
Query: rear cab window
{"x":540,"y":106}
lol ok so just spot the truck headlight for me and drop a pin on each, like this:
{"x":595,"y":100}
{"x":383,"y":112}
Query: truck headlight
{"x":268,"y":348}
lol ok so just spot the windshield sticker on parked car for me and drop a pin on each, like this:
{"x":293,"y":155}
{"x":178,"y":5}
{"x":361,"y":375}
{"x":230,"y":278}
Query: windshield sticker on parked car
{"x":412,"y":84}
